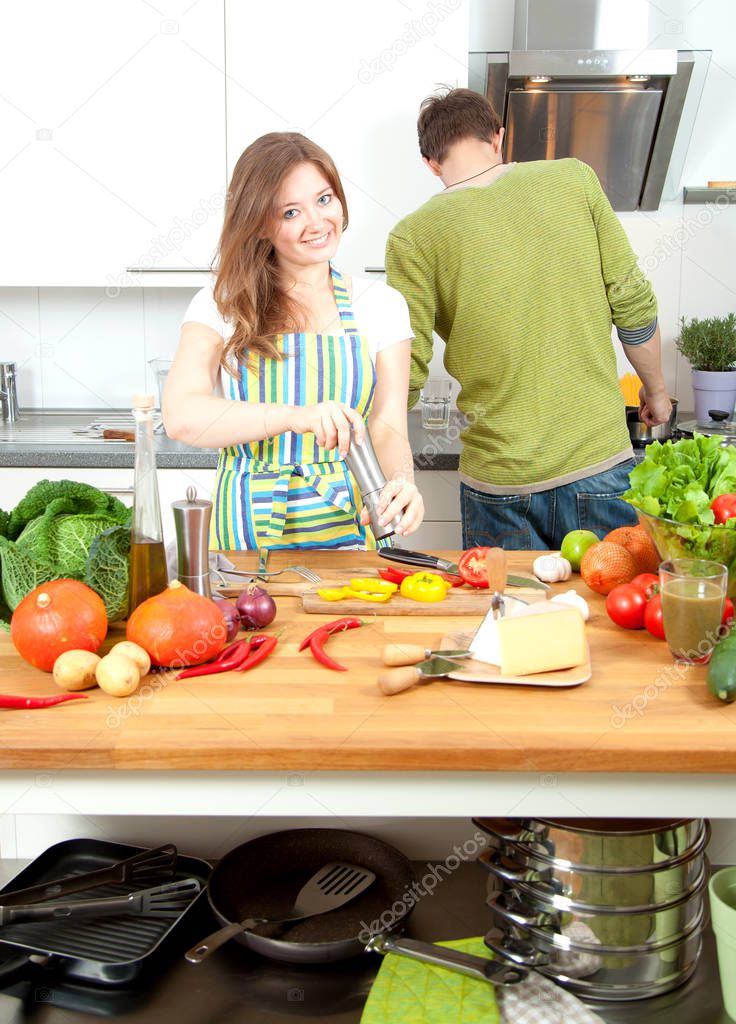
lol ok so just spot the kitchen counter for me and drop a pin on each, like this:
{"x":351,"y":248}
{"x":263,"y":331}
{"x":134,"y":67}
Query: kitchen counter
{"x":297,"y":738}
{"x":433,"y":449}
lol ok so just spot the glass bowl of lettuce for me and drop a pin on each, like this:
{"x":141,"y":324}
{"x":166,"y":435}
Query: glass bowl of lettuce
{"x":672,"y":489}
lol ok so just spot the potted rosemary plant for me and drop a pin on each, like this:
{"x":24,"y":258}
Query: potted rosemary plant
{"x":710,"y":347}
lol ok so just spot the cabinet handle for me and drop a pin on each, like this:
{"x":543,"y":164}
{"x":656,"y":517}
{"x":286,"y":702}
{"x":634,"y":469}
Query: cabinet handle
{"x":168,"y":270}
{"x":119,"y":490}
{"x":374,"y":270}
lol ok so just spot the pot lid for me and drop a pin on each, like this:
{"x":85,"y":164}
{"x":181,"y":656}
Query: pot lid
{"x":721,"y":428}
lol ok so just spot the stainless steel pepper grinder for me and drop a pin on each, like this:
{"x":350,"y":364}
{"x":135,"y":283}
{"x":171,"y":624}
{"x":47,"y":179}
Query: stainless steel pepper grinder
{"x":192,"y":522}
{"x":362,"y":462}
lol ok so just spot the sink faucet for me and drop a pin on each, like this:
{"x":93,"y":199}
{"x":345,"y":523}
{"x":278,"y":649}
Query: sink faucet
{"x":8,"y":393}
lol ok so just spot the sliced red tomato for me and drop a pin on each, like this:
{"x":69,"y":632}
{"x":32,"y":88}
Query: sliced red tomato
{"x":472,"y":567}
{"x":647,"y":582}
{"x":626,"y":606}
{"x":653,"y":617}
{"x":724,"y":507}
{"x":392,"y":575}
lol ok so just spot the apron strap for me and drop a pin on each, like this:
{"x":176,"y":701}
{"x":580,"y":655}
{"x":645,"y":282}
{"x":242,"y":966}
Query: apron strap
{"x":331,"y":492}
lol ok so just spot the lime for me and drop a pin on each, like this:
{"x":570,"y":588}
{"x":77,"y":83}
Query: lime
{"x":575,"y":544}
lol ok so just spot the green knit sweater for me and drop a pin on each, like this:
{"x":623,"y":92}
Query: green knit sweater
{"x":522,"y":278}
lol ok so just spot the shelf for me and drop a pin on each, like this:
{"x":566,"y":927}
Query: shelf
{"x":701,"y":194}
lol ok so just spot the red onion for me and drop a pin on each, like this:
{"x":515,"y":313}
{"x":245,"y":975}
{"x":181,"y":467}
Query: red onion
{"x":232,"y":618}
{"x":256,"y":608}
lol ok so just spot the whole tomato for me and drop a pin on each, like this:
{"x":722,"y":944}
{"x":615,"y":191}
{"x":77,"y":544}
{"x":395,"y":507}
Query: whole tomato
{"x":626,"y":606}
{"x":647,"y":582}
{"x":724,"y":507}
{"x":726,"y":618}
{"x":653,"y":617}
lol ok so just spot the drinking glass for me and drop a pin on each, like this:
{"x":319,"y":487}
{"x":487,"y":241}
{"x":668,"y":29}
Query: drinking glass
{"x":693,"y":592}
{"x":436,"y":404}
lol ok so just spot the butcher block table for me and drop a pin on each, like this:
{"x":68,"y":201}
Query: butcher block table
{"x":293,"y":738}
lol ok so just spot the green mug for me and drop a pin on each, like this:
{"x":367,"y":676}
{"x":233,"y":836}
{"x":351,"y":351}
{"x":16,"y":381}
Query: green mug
{"x":722,"y":889}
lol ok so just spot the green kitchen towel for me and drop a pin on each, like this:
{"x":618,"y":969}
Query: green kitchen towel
{"x":418,"y":993}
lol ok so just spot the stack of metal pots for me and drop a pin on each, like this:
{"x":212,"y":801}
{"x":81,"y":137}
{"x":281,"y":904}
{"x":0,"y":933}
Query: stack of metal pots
{"x":610,"y":909}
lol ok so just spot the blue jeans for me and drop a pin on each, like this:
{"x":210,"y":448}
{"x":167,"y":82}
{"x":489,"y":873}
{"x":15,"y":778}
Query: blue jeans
{"x":530,"y":522}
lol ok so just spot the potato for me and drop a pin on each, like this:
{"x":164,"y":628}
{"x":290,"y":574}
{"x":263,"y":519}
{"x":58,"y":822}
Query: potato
{"x":136,"y":653}
{"x":117,"y":675}
{"x":75,"y":670}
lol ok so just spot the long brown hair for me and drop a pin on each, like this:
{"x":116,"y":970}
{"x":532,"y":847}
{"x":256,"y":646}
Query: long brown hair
{"x":247,"y":290}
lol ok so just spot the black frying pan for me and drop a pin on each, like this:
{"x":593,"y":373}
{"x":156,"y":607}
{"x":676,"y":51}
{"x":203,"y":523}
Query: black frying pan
{"x":262,"y":878}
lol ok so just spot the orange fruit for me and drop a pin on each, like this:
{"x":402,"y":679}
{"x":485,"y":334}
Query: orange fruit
{"x":605,"y":565}
{"x":639,"y":544}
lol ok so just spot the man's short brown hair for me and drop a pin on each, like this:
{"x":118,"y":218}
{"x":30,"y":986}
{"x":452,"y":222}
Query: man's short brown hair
{"x":454,"y":115}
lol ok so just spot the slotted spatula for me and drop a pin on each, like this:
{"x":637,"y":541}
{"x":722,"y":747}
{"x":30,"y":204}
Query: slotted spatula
{"x":148,"y":866}
{"x":332,"y":886}
{"x":167,"y":900}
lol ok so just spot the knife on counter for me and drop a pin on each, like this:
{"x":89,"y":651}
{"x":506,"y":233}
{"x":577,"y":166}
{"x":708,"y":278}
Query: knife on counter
{"x":443,"y":565}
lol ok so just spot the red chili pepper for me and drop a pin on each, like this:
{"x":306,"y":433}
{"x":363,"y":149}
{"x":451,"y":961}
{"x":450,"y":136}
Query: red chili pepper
{"x":230,"y":652}
{"x":392,"y":575}
{"x":239,"y":652}
{"x":11,"y":701}
{"x":321,"y":655}
{"x":327,"y":629}
{"x":262,"y":646}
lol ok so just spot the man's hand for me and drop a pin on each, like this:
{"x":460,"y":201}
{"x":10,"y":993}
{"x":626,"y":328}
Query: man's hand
{"x":654,"y":409}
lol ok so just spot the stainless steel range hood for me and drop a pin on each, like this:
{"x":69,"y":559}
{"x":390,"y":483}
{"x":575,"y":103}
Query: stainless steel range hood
{"x":581,"y":81}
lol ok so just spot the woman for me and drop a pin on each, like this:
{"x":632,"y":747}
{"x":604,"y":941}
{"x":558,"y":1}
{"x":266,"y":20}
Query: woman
{"x":296,"y":361}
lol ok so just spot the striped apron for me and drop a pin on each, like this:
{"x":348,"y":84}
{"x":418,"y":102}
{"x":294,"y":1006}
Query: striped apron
{"x":286,"y":491}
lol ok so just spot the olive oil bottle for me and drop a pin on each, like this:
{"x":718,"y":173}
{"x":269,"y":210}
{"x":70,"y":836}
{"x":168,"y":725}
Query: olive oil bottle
{"x":148,"y":573}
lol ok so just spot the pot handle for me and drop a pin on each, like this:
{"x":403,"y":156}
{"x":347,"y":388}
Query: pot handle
{"x":451,"y":959}
{"x":502,"y":828}
{"x":518,"y":951}
{"x":508,"y":870}
{"x":520,"y":914}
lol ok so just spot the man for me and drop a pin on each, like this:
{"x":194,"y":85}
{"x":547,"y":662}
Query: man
{"x":521,"y":269}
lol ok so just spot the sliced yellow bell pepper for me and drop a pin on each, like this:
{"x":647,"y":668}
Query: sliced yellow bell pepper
{"x":425,"y":586}
{"x":373,"y":586}
{"x":333,"y":593}
{"x":364,"y":595}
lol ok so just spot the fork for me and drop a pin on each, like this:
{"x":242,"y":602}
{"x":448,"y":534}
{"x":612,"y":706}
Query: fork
{"x":300,"y":570}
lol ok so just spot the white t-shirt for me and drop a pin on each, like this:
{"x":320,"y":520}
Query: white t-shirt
{"x":381,"y":313}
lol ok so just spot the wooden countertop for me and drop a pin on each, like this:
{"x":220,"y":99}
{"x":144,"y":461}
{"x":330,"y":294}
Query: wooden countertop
{"x":637,"y":713}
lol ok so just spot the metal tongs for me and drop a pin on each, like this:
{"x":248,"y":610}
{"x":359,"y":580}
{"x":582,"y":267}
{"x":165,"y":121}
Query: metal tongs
{"x":496,"y":570}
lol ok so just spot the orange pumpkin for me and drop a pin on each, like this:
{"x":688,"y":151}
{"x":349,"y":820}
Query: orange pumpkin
{"x":63,"y":615}
{"x":178,"y":627}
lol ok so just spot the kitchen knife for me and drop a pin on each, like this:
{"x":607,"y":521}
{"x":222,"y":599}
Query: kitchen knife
{"x":443,"y":565}
{"x":398,"y":679}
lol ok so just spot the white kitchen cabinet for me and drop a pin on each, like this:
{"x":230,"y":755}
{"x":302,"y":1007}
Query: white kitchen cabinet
{"x":351,"y":78}
{"x":441,"y":528}
{"x":112,"y":139}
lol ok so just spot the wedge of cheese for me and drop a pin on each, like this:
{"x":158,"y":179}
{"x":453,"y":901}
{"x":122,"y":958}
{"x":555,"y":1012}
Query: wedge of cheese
{"x":542,"y":638}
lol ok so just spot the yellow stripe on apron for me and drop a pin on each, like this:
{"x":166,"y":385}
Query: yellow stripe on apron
{"x":286,"y":491}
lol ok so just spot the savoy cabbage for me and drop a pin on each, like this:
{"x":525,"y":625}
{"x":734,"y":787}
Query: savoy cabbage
{"x":65,"y":529}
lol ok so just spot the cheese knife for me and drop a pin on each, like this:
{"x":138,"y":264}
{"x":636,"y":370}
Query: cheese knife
{"x":443,"y":565}
{"x":397,"y":679}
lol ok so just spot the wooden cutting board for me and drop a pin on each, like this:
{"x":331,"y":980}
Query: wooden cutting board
{"x":481,"y":672}
{"x":291,"y":585}
{"x":459,"y":601}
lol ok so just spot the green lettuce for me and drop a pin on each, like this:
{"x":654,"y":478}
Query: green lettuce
{"x":65,"y":530}
{"x":679,"y":480}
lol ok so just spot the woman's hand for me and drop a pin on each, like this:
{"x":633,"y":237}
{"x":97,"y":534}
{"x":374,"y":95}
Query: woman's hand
{"x":330,"y":422}
{"x":399,"y":498}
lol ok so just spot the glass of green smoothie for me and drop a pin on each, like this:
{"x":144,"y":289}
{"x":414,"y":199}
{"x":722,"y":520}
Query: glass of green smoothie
{"x":693,"y":591}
